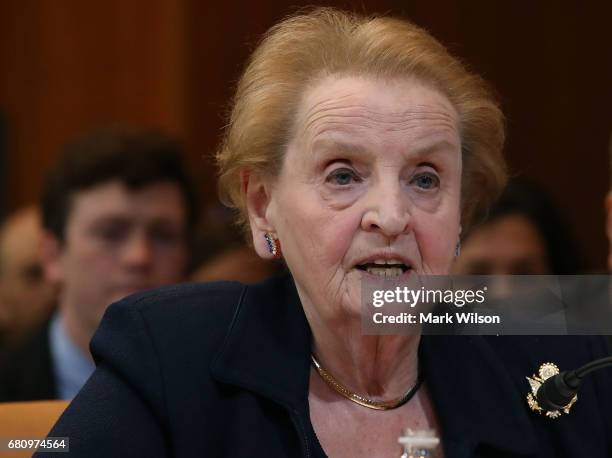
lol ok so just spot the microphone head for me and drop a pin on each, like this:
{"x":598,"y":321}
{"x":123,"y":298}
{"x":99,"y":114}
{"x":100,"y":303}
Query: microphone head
{"x":555,"y":393}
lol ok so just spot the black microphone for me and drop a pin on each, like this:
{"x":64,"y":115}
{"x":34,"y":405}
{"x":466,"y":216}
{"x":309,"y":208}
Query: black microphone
{"x":558,"y":391}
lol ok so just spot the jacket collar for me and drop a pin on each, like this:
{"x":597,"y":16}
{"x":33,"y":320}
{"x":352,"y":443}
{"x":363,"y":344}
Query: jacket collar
{"x":267,"y":351}
{"x":267,"y":348}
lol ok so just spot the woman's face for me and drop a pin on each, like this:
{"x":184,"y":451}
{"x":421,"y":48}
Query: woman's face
{"x":370,"y":185}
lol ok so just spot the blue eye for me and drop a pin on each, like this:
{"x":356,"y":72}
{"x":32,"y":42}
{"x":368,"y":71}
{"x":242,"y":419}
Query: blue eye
{"x":342,"y":177}
{"x":426,"y":181}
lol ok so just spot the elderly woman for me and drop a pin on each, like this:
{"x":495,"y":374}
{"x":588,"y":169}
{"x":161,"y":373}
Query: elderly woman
{"x":357,"y":147}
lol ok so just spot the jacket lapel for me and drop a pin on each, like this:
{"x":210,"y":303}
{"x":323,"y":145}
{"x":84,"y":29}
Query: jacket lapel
{"x":268,"y":345}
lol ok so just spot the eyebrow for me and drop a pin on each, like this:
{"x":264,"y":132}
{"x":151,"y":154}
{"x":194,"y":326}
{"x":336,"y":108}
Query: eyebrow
{"x":325,"y":145}
{"x":438,"y":146}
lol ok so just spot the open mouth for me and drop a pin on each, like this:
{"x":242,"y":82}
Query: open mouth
{"x":384,"y":268}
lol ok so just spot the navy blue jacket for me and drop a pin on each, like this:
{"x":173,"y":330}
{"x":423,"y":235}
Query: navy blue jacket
{"x":221,"y":370}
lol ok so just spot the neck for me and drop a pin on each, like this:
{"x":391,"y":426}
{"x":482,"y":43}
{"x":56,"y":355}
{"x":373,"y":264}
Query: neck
{"x":380,"y":367}
{"x":76,"y":331}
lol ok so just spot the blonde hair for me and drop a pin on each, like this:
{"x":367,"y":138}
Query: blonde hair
{"x":326,"y":41}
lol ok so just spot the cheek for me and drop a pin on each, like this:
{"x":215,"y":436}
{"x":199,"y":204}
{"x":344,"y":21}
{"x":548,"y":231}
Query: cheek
{"x":85,"y":260}
{"x":437,"y":236}
{"x":337,"y":235}
{"x":316,"y":233}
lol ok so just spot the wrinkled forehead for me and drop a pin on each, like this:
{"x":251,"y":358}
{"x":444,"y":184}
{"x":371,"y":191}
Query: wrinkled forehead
{"x":363,"y":106}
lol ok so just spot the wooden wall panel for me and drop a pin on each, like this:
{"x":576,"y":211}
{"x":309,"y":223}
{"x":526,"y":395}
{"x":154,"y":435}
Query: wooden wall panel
{"x":551,"y":63}
{"x":69,"y":65}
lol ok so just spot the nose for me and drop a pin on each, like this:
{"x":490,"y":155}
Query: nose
{"x":138,"y":252}
{"x":388,"y":212}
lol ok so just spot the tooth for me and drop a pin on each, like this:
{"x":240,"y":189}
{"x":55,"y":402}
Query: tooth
{"x":393,"y":272}
{"x":383,"y":262}
{"x":381,"y":271}
{"x":385,"y":271}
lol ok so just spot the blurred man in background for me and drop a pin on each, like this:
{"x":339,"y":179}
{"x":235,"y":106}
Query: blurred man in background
{"x":523,"y":233}
{"x":118,"y":212}
{"x":26,"y":297}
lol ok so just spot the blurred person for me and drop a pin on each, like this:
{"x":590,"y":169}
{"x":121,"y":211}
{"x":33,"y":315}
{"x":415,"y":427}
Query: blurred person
{"x":523,"y":233}
{"x":118,"y":212}
{"x":26,"y":297}
{"x":357,"y":148}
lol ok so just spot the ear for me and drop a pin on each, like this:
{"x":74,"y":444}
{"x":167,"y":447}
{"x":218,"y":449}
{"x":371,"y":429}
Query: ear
{"x":50,"y":250}
{"x":256,"y":190}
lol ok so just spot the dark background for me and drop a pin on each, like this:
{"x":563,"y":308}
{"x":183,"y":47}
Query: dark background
{"x":71,"y":65}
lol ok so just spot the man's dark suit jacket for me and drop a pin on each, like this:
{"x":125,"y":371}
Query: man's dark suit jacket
{"x":26,"y":372}
{"x":222,"y":370}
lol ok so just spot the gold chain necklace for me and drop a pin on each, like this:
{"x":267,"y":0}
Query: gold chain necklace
{"x":362,"y":400}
